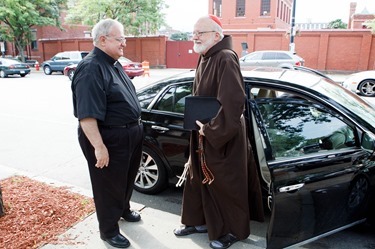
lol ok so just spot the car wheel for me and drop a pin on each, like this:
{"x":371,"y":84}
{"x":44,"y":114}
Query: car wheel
{"x":23,"y":75}
{"x":358,"y":193}
{"x":71,"y":74}
{"x":47,"y":70}
{"x":152,"y":176}
{"x":2,"y":74}
{"x":367,"y":88}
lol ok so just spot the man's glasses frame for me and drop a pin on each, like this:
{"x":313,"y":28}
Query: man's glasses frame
{"x":200,"y":33}
{"x":119,"y":39}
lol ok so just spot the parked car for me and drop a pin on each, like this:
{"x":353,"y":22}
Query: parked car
{"x":313,"y":143}
{"x":362,"y":82}
{"x":58,"y":62}
{"x":13,"y":66}
{"x":132,"y":69}
{"x":271,"y":58}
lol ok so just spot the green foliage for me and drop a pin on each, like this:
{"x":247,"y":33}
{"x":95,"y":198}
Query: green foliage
{"x":337,"y":24}
{"x":371,"y":25}
{"x":139,"y":17}
{"x":179,"y":37}
{"x":18,"y":16}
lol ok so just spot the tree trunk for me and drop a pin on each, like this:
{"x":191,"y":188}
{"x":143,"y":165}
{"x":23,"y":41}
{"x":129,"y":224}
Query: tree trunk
{"x":2,"y":211}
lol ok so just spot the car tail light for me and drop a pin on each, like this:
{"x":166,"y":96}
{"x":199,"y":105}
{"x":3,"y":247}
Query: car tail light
{"x":12,"y":66}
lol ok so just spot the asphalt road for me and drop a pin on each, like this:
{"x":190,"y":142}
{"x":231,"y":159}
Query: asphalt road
{"x":38,"y":136}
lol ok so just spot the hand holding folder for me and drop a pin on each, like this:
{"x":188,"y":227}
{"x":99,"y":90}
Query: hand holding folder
{"x":199,"y":108}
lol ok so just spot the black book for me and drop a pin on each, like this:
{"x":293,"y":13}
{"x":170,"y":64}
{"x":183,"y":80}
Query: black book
{"x":199,"y":108}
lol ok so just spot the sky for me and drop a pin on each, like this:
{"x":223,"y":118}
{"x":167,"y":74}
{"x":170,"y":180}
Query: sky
{"x":181,"y":15}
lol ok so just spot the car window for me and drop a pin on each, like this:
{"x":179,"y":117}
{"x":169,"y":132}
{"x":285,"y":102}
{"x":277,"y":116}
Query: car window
{"x":283,"y":56}
{"x":174,"y":99}
{"x":296,"y":127}
{"x":62,"y":56}
{"x":83,"y":54}
{"x":269,"y":56}
{"x":75,"y":56}
{"x":253,"y":56}
{"x":145,"y":96}
{"x":58,"y":56}
{"x":65,"y":56}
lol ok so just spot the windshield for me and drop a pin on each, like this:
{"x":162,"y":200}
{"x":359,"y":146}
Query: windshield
{"x":349,"y":100}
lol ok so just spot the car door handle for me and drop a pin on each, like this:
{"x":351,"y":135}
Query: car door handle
{"x":159,"y":128}
{"x":291,"y":187}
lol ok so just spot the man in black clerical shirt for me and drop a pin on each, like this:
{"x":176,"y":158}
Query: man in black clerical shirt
{"x":110,"y":132}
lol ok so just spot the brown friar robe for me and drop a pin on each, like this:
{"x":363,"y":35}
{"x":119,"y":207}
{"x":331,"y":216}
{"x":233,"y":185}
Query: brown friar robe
{"x":226,"y":204}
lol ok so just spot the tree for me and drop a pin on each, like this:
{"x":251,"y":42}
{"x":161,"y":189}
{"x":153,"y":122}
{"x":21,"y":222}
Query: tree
{"x":18,"y":16}
{"x":179,"y":37}
{"x":139,"y":17}
{"x":371,"y":25}
{"x":337,"y":24}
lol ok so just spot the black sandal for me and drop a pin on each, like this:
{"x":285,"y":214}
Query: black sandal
{"x":186,"y":230}
{"x":224,"y":241}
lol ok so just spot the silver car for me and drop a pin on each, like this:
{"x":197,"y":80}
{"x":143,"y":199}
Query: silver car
{"x":271,"y":58}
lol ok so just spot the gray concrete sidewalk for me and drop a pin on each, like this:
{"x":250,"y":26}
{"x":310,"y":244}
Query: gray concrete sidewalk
{"x":155,"y":230}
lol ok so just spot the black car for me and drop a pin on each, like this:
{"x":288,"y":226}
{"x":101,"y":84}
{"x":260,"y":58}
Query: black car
{"x":313,"y":141}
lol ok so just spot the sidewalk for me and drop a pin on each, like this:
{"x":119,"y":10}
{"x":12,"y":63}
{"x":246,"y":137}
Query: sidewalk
{"x":154,"y":231}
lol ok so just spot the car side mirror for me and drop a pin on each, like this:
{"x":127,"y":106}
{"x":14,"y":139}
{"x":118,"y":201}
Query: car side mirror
{"x":368,"y":142}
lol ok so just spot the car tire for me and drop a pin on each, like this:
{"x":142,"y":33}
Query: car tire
{"x":367,"y":88}
{"x":71,"y":74}
{"x":152,"y":176}
{"x":358,"y":193}
{"x":3,"y":74}
{"x":47,"y":70}
{"x":23,"y":75}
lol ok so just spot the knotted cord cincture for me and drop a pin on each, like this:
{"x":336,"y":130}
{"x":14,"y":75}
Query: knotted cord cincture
{"x":208,"y":176}
{"x":182,"y":178}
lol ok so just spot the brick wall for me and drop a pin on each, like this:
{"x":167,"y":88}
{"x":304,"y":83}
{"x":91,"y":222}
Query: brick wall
{"x":325,"y":50}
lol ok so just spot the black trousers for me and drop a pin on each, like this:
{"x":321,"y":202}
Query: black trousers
{"x":113,"y":185}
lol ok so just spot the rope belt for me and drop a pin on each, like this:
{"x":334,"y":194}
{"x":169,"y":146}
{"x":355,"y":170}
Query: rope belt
{"x":208,"y":176}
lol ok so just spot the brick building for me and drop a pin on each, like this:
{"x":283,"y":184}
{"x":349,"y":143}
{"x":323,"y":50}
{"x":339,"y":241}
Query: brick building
{"x":357,"y":20}
{"x":259,"y":24}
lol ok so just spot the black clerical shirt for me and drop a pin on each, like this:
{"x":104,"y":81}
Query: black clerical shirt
{"x":102,"y":90}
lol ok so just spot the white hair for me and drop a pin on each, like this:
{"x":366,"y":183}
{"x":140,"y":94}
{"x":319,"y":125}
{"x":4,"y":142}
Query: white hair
{"x":102,"y":28}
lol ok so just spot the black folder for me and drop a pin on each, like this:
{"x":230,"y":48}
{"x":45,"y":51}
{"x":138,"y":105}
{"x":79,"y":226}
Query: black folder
{"x":199,"y":108}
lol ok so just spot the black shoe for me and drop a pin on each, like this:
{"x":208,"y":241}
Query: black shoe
{"x":186,"y":230}
{"x":131,"y":216}
{"x":118,"y":241}
{"x":224,"y":241}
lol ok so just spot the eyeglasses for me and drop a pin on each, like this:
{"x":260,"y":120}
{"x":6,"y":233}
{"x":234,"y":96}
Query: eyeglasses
{"x":119,"y":39}
{"x":199,"y":34}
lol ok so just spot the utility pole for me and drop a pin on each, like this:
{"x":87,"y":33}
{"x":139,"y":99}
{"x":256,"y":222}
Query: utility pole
{"x":292,"y":46}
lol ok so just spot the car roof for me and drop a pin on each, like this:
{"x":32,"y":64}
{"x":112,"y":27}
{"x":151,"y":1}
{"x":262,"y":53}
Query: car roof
{"x":298,"y":77}
{"x":11,"y":60}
